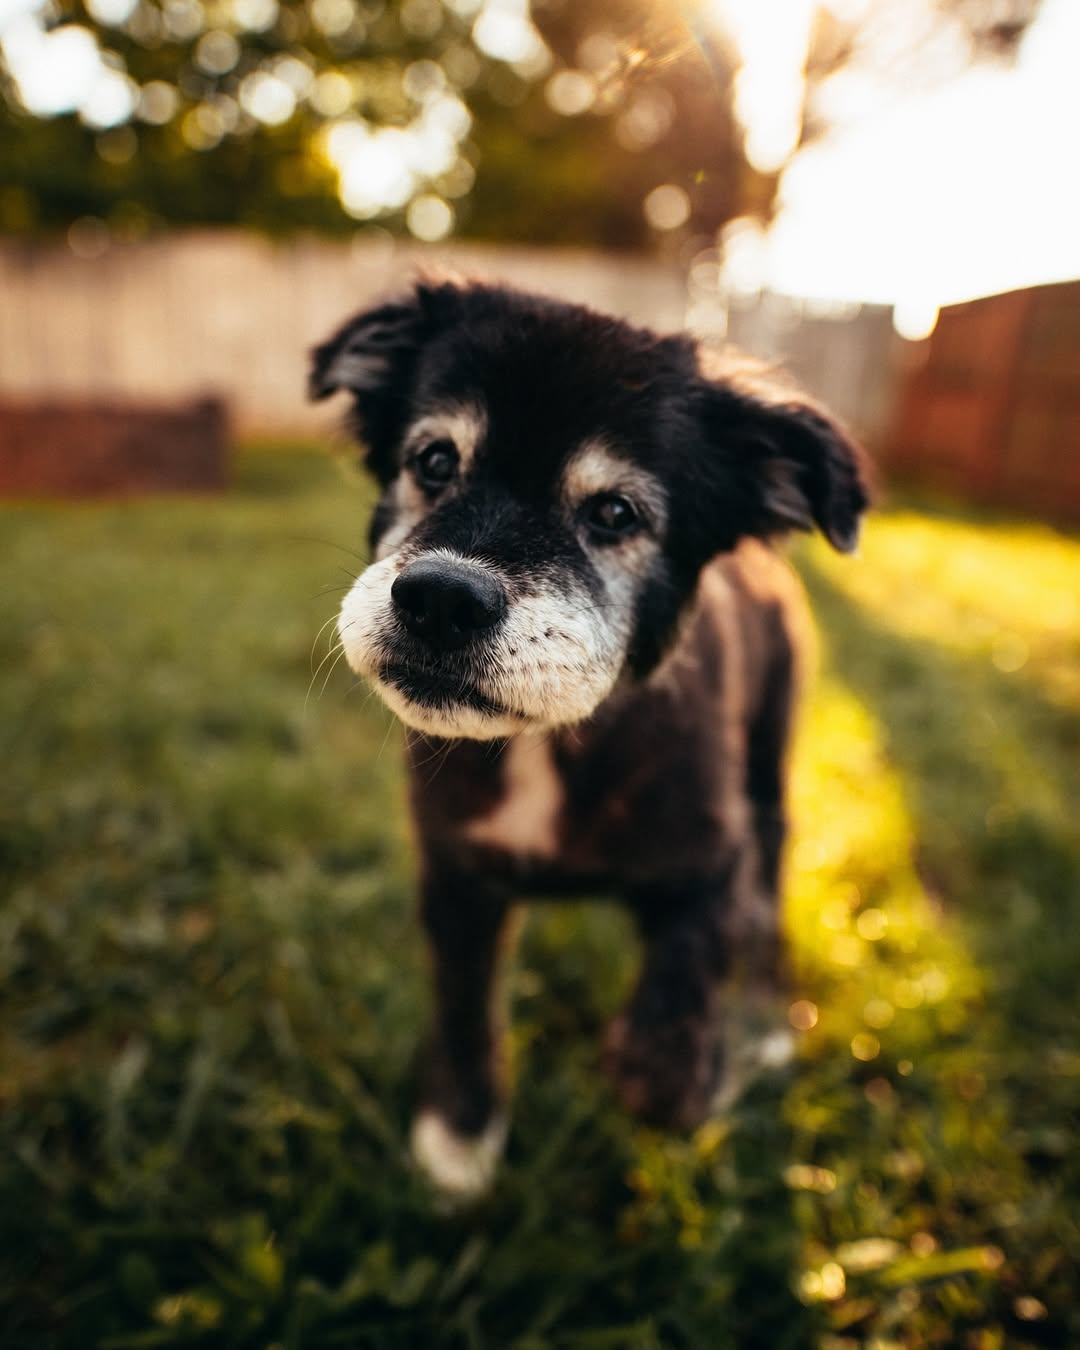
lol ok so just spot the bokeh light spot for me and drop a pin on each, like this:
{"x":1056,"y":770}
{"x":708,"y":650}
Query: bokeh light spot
{"x":332,"y":17}
{"x":1029,"y":1309}
{"x":202,"y":127}
{"x":255,"y":15}
{"x":54,"y":72}
{"x":570,"y":92}
{"x":503,"y":30}
{"x":217,"y":52}
{"x":667,"y":207}
{"x":429,"y":218}
{"x":183,"y":19}
{"x":833,"y":1281}
{"x":158,"y":103}
{"x":803,"y":1015}
{"x":113,"y":13}
{"x":331,"y":94}
{"x":112,"y":100}
{"x":872,"y":925}
{"x":88,"y":237}
{"x":878,"y":1013}
{"x":804,"y":1177}
{"x":423,"y":80}
{"x":267,"y":98}
{"x":646,"y":120}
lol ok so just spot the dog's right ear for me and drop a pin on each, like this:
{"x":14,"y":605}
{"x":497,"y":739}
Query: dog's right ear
{"x":785,"y":464}
{"x":373,"y":356}
{"x":361,"y":356}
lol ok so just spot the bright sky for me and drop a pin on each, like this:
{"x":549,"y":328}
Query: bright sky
{"x":928,"y":198}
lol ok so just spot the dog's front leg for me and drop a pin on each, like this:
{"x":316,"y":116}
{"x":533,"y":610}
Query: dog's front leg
{"x":664,"y":1050}
{"x":459,"y":1130}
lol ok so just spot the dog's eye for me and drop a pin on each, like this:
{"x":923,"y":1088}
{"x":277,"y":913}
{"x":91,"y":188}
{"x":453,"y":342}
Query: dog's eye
{"x":437,"y":464}
{"x":610,"y":516}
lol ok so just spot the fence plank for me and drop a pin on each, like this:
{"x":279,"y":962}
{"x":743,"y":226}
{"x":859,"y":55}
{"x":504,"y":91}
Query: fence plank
{"x":231,"y":314}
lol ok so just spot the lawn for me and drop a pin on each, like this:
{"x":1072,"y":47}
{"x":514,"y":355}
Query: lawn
{"x":212,"y":981}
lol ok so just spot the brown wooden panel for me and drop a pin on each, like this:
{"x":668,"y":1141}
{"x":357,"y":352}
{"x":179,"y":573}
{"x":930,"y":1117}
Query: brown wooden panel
{"x":82,"y":448}
{"x":993,"y":413}
{"x":976,"y":341}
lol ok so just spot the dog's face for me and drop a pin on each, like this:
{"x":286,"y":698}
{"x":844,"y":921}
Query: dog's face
{"x":553,"y":482}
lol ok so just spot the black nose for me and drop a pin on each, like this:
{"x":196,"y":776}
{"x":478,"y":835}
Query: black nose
{"x":447,"y":603}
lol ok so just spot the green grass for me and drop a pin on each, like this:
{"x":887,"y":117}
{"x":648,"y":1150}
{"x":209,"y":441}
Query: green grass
{"x":212,"y":982}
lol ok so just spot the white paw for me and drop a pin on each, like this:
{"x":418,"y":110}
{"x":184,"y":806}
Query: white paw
{"x":462,"y":1167}
{"x":751,"y":1047}
{"x":777,"y":1049}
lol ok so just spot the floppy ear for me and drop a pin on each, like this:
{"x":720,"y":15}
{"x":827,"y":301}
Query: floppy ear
{"x":374,"y":356}
{"x":788,"y":464}
{"x":361,"y":355}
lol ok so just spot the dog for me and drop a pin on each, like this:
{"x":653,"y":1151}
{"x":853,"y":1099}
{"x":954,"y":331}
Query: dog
{"x":575,"y":607}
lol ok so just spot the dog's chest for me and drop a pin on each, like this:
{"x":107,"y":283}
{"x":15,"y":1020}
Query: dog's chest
{"x":611,"y":809}
{"x":527,"y":819}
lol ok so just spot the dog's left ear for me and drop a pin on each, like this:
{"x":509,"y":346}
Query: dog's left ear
{"x":787,"y":464}
{"x":374,"y":357}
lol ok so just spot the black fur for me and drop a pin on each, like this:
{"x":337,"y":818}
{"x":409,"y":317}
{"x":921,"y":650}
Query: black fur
{"x":672,"y":785}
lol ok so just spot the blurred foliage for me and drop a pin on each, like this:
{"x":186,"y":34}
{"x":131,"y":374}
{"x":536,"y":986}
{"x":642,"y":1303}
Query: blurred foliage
{"x":662,"y":114}
{"x":652,"y":84}
{"x":213,"y":162}
{"x":208,"y":160}
{"x":212,"y":981}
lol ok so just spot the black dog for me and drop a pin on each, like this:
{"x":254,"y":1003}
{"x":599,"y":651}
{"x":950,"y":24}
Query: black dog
{"x":570,"y":601}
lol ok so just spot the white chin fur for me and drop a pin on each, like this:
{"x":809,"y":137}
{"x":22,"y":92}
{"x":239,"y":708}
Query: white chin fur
{"x":557,"y":657}
{"x":462,"y":1168}
{"x":451,"y":723}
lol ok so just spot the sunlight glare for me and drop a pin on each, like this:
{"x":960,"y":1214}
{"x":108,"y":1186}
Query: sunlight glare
{"x":913,"y":318}
{"x":936,"y":196}
{"x":771,"y":39}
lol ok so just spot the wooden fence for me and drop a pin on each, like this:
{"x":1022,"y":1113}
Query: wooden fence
{"x":991,"y":412}
{"x":234,"y":315}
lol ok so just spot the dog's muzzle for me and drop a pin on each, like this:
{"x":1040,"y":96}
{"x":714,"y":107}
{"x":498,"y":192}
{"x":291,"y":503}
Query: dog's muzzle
{"x":445,"y":603}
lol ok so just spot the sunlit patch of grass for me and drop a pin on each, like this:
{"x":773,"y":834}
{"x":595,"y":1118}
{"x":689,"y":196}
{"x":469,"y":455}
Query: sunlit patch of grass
{"x":212,"y":981}
{"x":860,"y":920}
{"x":892,"y":1103}
{"x":1003,"y":592}
{"x":937,"y":785}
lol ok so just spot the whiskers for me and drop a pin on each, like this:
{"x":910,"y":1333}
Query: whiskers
{"x":335,"y":651}
{"x":439,"y":758}
{"x":328,"y":543}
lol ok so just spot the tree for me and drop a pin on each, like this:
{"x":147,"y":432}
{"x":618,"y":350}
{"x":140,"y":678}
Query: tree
{"x":592,"y":121}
